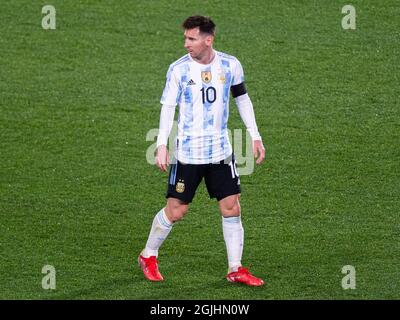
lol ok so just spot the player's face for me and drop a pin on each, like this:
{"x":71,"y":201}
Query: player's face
{"x":197,"y":43}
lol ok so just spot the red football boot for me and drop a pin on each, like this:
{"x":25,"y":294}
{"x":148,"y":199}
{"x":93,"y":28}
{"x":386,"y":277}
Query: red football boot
{"x":243,"y":275}
{"x":150,"y":268}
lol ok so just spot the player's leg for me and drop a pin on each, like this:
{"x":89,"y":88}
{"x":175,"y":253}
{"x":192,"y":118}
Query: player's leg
{"x":223,"y":183}
{"x":162,"y":224}
{"x":234,"y":238}
{"x":182,"y":184}
{"x":232,"y":230}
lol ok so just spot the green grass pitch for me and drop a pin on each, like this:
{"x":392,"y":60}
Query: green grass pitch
{"x":76,"y":191}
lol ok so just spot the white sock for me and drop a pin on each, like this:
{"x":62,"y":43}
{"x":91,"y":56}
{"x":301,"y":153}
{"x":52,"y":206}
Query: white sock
{"x":160,"y":229}
{"x":234,"y":238}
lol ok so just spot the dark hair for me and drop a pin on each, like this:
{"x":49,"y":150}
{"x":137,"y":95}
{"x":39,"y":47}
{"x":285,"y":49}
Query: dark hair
{"x":205,"y":24}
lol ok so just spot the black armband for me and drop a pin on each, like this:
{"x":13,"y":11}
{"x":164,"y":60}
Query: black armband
{"x":238,"y":90}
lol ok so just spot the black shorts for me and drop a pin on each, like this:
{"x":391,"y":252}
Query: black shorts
{"x":221,"y":179}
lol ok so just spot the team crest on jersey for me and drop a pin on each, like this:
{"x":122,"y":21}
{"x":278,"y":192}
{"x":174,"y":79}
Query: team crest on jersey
{"x":206,"y":76}
{"x":180,"y":186}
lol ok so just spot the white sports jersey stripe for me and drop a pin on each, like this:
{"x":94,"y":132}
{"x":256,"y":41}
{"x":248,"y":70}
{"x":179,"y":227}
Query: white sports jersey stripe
{"x":202,"y":92}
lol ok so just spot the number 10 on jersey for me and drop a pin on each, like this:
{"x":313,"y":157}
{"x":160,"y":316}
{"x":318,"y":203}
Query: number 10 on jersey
{"x":209,"y":95}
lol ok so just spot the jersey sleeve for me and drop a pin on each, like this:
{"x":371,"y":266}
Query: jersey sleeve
{"x":238,"y":87}
{"x":238,"y":74}
{"x":172,"y":91}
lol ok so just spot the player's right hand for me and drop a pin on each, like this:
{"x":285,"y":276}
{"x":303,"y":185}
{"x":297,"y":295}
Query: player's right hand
{"x":162,"y":158}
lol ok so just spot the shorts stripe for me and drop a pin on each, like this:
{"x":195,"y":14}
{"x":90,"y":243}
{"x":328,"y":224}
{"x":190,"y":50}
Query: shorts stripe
{"x":172,"y":178}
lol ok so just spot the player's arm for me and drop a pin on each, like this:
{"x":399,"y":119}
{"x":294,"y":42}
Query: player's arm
{"x":166,"y":123}
{"x":169,"y":100}
{"x":246,"y":111}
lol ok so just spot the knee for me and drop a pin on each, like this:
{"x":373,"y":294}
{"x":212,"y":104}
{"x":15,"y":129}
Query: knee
{"x":176,"y":210}
{"x":231,"y":207}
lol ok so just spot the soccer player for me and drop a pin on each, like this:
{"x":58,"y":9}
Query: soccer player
{"x":201,"y":82}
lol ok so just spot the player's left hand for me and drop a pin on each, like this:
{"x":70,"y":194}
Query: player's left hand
{"x":258,"y":150}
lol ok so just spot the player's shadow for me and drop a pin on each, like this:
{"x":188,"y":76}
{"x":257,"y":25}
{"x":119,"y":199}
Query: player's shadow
{"x":135,"y":287}
{"x":109,"y":289}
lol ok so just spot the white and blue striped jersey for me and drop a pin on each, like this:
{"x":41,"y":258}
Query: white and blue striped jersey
{"x":202,"y":93}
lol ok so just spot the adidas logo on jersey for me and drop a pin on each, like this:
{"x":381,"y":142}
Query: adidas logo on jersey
{"x":191,"y":83}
